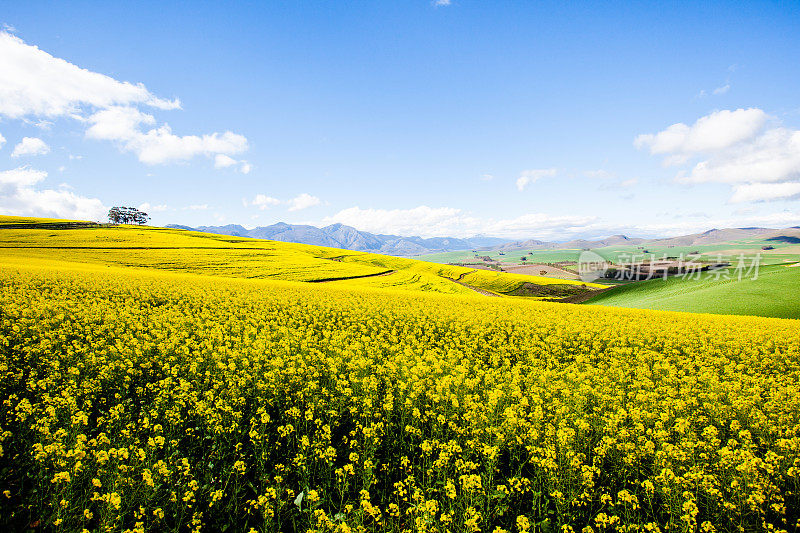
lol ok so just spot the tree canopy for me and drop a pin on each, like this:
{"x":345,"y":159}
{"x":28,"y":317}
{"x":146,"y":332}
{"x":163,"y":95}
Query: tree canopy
{"x":127,"y":215}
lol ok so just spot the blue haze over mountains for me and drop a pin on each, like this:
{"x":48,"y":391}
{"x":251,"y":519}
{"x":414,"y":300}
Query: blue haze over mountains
{"x":349,"y":238}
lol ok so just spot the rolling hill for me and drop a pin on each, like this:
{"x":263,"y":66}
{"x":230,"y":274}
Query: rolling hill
{"x":772,"y":294}
{"x":74,"y":244}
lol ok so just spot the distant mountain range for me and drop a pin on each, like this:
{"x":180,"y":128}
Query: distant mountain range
{"x":349,"y":238}
{"x":533,"y":244}
{"x":712,"y":236}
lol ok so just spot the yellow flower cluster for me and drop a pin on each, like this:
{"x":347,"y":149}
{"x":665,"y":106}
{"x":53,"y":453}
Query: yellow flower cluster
{"x":149,"y":402}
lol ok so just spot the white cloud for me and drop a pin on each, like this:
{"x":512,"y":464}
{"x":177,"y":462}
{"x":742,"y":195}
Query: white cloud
{"x":197,"y":207}
{"x":722,"y":90}
{"x":158,"y":145}
{"x":303,"y":201}
{"x":224,"y":161}
{"x":487,"y":177}
{"x":262,"y":201}
{"x":717,"y":131}
{"x":771,"y":157}
{"x":148,"y":208}
{"x":33,"y":83}
{"x":530,"y":176}
{"x":19,"y":196}
{"x":735,"y":147}
{"x":22,"y":177}
{"x":441,"y":2}
{"x":30,"y":146}
{"x":763,"y":192}
{"x":2,"y":140}
{"x":427,"y":221}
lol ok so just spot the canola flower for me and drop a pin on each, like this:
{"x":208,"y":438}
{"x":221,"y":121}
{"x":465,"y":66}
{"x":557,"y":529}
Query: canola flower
{"x":146,"y":401}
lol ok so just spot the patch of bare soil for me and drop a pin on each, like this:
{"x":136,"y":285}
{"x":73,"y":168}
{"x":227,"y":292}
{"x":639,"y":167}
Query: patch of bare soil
{"x":555,"y":292}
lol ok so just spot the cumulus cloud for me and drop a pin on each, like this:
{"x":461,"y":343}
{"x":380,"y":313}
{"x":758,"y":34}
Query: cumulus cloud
{"x":773,"y":156}
{"x":764,"y":192}
{"x":530,"y":176}
{"x":2,"y":140}
{"x":717,"y":131}
{"x":734,"y":147}
{"x":262,"y":201}
{"x":303,"y":201}
{"x":36,"y":84}
{"x":149,"y":208}
{"x":19,"y":195}
{"x":123,"y":125}
{"x":224,"y":161}
{"x":427,"y":221}
{"x":298,"y":203}
{"x":30,"y":146}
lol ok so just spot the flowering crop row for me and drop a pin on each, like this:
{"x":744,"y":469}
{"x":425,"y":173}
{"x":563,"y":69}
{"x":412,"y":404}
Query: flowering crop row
{"x":153,"y":401}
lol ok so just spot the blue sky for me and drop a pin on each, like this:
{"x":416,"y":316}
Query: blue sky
{"x":517,"y":119}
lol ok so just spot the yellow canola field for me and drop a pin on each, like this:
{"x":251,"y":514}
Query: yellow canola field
{"x":237,"y":257}
{"x":136,"y":400}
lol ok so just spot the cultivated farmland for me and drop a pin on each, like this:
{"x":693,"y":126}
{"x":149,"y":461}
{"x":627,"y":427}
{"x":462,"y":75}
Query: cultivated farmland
{"x":153,"y":397}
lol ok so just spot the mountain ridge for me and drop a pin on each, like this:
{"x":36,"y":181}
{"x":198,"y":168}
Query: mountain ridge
{"x":349,"y":238}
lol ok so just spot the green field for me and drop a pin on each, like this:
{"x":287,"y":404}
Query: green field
{"x":773,"y":294}
{"x":711,"y":252}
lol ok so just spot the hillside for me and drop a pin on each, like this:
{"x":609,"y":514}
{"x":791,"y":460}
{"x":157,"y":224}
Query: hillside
{"x":772,"y":294}
{"x":191,"y":252}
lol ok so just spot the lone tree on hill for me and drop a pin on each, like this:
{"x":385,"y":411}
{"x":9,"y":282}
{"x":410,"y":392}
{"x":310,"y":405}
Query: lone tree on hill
{"x":127,"y":215}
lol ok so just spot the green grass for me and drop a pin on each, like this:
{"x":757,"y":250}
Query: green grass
{"x":710,"y":252}
{"x":773,"y":294}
